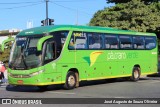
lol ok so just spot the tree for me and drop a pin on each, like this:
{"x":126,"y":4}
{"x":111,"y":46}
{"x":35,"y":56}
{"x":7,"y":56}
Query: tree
{"x":0,"y":48}
{"x":125,"y":1}
{"x":4,"y":55}
{"x":133,"y":15}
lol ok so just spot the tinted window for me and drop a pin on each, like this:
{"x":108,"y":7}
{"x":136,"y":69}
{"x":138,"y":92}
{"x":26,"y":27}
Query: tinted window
{"x":125,"y":42}
{"x":21,"y":40}
{"x":33,"y":42}
{"x":150,"y":42}
{"x":111,"y":42}
{"x":49,"y":51}
{"x":60,"y":38}
{"x":138,"y":42}
{"x":95,"y":41}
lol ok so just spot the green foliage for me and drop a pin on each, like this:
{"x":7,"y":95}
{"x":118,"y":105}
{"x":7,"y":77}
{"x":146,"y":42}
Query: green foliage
{"x":134,"y":15}
{"x":125,"y":1}
{"x":0,"y":48}
{"x":4,"y":56}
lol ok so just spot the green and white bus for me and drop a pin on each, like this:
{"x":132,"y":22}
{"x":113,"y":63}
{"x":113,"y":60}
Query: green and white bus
{"x":68,"y":54}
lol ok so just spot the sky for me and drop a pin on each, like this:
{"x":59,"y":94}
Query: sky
{"x":16,"y":13}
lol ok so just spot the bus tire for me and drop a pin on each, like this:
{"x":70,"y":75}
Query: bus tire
{"x":136,"y":74}
{"x":71,"y":81}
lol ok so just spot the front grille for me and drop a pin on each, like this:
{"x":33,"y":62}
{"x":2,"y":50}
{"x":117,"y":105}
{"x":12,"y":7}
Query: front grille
{"x":20,"y":76}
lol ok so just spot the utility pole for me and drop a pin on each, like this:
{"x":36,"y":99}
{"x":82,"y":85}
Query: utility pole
{"x":77,"y":17}
{"x":46,"y":12}
{"x":47,"y":21}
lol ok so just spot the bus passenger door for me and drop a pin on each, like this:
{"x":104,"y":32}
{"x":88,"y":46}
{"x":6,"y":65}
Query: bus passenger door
{"x":49,"y":52}
{"x":49,"y":55}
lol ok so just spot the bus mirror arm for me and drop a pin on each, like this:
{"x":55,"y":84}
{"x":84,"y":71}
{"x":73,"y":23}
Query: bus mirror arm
{"x":41,"y":41}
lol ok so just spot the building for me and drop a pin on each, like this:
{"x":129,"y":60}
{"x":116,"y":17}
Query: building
{"x":5,"y":33}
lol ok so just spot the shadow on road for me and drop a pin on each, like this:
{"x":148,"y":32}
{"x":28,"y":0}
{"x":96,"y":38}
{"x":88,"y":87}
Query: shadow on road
{"x":31,"y":88}
{"x":99,"y":82}
{"x":155,"y":75}
{"x":60,"y":87}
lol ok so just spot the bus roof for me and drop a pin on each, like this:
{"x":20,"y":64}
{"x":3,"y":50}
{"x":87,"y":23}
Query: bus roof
{"x":48,"y":29}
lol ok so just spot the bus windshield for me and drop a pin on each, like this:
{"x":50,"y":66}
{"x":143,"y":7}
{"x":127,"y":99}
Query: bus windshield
{"x":24,"y":54}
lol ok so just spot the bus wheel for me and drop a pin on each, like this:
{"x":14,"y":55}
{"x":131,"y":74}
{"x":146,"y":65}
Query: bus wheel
{"x":71,"y":81}
{"x":136,"y":74}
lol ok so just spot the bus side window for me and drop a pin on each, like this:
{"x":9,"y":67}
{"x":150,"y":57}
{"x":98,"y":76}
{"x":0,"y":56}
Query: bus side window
{"x":125,"y":42}
{"x":78,"y":41}
{"x":150,"y":42}
{"x":50,"y":52}
{"x":95,"y":41}
{"x":111,"y":42}
{"x":138,"y":42}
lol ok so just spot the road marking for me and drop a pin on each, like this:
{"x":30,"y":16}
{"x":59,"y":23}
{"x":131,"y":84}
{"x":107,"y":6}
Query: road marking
{"x":2,"y":87}
{"x":153,"y":81}
{"x":142,"y":81}
{"x":120,"y":97}
{"x":62,"y":93}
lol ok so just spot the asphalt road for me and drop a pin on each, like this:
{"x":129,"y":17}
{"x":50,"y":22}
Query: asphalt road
{"x":146,"y":87}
